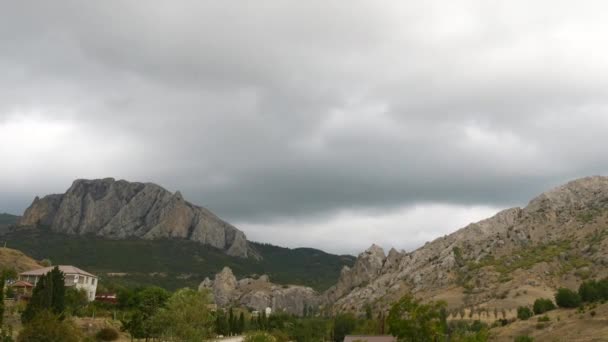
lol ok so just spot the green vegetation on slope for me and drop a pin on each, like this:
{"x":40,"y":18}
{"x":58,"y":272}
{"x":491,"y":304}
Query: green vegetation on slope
{"x":8,"y":219}
{"x":176,"y":263}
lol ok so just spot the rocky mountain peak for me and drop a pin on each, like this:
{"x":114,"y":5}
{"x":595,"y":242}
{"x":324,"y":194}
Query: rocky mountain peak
{"x":585,"y":192}
{"x":121,"y":209}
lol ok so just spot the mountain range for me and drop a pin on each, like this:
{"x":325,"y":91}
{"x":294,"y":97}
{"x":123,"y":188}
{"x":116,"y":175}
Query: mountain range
{"x":558,"y":240}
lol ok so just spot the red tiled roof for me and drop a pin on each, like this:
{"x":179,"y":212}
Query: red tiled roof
{"x":21,"y":283}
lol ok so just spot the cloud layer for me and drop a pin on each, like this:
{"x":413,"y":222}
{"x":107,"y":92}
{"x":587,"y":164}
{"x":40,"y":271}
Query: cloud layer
{"x":304,"y":121}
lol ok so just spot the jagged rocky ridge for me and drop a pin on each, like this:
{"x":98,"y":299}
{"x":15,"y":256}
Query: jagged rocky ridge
{"x":120,"y":209}
{"x":259,"y":293}
{"x":510,"y":259}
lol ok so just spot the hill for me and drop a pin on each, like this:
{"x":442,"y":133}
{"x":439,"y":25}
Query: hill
{"x":14,"y":259}
{"x":557,"y":240}
{"x":173,"y":263}
{"x":7,"y":220}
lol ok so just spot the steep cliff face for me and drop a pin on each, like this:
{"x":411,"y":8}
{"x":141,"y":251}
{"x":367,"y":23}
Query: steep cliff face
{"x":559,"y":239}
{"x":121,"y":209}
{"x":260,"y":293}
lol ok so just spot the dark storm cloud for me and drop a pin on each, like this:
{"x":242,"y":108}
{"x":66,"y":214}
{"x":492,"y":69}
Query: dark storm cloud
{"x":299,"y":111}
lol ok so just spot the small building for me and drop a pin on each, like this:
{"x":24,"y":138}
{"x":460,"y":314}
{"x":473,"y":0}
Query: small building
{"x":110,"y":298}
{"x":364,"y":338}
{"x":21,"y":289}
{"x":74,"y":277}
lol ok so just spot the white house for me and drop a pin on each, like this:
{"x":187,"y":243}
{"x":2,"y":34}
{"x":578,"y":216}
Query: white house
{"x":74,"y":277}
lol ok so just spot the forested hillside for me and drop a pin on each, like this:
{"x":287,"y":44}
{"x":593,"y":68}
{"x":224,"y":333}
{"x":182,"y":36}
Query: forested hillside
{"x":176,"y":263}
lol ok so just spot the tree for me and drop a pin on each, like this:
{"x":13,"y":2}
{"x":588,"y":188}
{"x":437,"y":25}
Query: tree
{"x":241,"y":324}
{"x":344,"y":324}
{"x":409,"y":319}
{"x":221,"y":323}
{"x":231,"y":322}
{"x":49,"y":294}
{"x":524,"y":313}
{"x":186,"y":317}
{"x":49,"y":327}
{"x":75,"y":300}
{"x":542,"y":305}
{"x":567,"y":298}
{"x":145,"y":303}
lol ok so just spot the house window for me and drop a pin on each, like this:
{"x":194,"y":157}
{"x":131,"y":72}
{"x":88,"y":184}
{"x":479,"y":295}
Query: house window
{"x":93,"y":281}
{"x":80,"y":280}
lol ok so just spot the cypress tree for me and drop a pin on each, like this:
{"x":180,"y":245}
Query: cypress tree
{"x":241,"y":323}
{"x":49,"y":294}
{"x":231,"y":322}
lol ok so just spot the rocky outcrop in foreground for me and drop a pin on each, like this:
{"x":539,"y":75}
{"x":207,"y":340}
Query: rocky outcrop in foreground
{"x":260,"y":293}
{"x":120,"y":209}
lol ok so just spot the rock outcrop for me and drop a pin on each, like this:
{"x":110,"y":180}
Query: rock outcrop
{"x":557,"y":240}
{"x":120,"y":209}
{"x":259,"y":294}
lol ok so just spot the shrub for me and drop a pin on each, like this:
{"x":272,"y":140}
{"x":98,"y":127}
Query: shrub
{"x":524,"y":339}
{"x":46,"y":326}
{"x":567,"y":298}
{"x":259,"y":336}
{"x":593,"y":313}
{"x":542,"y":305}
{"x":593,"y":290}
{"x":107,"y":334}
{"x":524,"y":313}
{"x":544,"y":318}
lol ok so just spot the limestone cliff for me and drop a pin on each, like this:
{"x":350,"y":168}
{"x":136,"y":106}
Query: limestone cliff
{"x":120,"y":209}
{"x":260,"y":293}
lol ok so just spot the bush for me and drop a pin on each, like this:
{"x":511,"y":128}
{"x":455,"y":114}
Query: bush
{"x":543,"y":305}
{"x":259,"y":336}
{"x":524,"y":339}
{"x":46,"y":326}
{"x":544,"y":318}
{"x":524,"y":313}
{"x":593,"y":290}
{"x":567,"y":298}
{"x":107,"y":334}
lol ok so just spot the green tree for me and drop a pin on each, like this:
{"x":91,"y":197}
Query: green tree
{"x":241,"y":324}
{"x":145,"y":302}
{"x":410,"y":320}
{"x":524,"y":313}
{"x":186,"y":317}
{"x":49,"y":294}
{"x":231,"y":322}
{"x":344,"y":324}
{"x":542,"y":305}
{"x":221,"y":323}
{"x":48,"y":327}
{"x":75,"y":300}
{"x":567,"y":298}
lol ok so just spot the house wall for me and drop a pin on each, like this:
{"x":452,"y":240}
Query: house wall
{"x":79,"y":281}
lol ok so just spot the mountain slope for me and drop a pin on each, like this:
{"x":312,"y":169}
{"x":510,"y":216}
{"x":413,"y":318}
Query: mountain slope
{"x":504,"y":261}
{"x":120,"y":209}
{"x":7,"y":220}
{"x":173,"y":263}
{"x":14,"y":259}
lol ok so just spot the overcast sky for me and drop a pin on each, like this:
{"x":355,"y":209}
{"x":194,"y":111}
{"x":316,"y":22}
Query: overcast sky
{"x":331,"y":124}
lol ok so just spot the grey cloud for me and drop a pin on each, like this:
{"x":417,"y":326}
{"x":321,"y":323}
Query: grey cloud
{"x":301,"y":110}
